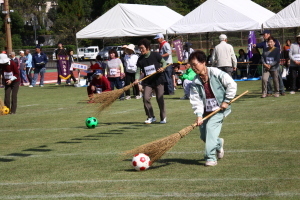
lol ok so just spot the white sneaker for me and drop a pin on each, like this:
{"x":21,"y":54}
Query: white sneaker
{"x":68,"y":83}
{"x":30,"y":86}
{"x":138,"y":97}
{"x":41,"y":85}
{"x":292,"y":92}
{"x":150,"y":120}
{"x":211,"y":163}
{"x":127,"y":97}
{"x":220,"y":154}
{"x":163,"y":121}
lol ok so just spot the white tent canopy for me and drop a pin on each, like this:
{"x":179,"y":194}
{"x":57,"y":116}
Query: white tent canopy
{"x":131,"y":20}
{"x":223,"y":15}
{"x":287,"y":17}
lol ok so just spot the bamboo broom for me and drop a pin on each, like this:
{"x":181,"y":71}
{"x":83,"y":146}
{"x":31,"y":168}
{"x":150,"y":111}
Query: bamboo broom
{"x":157,"y":148}
{"x":107,"y":98}
{"x":1,"y":107}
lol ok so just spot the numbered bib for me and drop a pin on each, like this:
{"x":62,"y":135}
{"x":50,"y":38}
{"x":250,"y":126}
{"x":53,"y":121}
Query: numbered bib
{"x":269,"y":60}
{"x":8,"y":75}
{"x":99,"y":90}
{"x":113,"y":72}
{"x":296,"y":57}
{"x":150,"y":70}
{"x":211,"y":105}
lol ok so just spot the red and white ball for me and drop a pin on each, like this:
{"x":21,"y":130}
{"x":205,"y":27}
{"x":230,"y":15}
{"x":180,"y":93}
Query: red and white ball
{"x":141,"y":162}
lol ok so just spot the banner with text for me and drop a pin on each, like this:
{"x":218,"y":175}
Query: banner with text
{"x":251,"y":41}
{"x":63,"y":67}
{"x":179,"y":49}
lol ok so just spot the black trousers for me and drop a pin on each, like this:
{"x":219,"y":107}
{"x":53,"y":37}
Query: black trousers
{"x":130,"y":78}
{"x":29,"y":75}
{"x":11,"y":94}
{"x":294,"y":71}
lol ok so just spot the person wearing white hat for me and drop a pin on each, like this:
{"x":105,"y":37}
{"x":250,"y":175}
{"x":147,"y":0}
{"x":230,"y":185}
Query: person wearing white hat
{"x":223,"y":56}
{"x":22,"y":61}
{"x":11,"y":75}
{"x":165,"y":51}
{"x":294,"y":55}
{"x":130,"y":60}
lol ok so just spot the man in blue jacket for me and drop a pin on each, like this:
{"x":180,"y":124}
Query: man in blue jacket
{"x":264,"y":45}
{"x":39,"y":61}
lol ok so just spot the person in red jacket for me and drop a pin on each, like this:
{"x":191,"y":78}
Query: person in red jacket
{"x":98,"y":85}
{"x":11,"y":75}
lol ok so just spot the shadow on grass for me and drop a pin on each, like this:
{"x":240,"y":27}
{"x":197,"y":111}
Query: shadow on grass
{"x":37,"y":150}
{"x":166,"y":162}
{"x":96,"y":135}
{"x":65,"y":142}
{"x":19,"y":154}
{"x":6,"y":160}
{"x":119,"y":133}
{"x":127,"y":123}
{"x":85,"y":139}
{"x":181,"y":161}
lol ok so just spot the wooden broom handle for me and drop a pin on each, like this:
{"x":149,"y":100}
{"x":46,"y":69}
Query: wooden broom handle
{"x":214,"y":112}
{"x":154,"y":73}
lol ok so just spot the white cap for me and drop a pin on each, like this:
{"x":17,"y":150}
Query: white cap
{"x":21,"y":51}
{"x":3,"y":58}
{"x":160,"y":35}
{"x":222,"y":37}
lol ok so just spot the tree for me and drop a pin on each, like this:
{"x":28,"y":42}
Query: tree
{"x":71,"y":17}
{"x":17,"y":23}
{"x":272,"y":5}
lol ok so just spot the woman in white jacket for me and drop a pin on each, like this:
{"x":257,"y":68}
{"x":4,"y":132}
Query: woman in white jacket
{"x":130,"y":60}
{"x":210,"y":90}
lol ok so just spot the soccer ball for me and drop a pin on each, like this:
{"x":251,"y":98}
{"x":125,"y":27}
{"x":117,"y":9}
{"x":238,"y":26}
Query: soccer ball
{"x":4,"y":110}
{"x":141,"y":162}
{"x":91,"y":122}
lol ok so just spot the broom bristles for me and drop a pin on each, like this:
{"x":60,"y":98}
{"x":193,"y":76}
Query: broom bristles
{"x":1,"y":107}
{"x":107,"y":98}
{"x":158,"y":148}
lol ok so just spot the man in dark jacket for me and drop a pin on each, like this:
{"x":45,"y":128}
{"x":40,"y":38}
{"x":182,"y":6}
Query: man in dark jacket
{"x":39,"y":61}
{"x":11,"y":75}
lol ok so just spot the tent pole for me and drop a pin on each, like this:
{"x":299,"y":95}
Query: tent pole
{"x":78,"y":78}
{"x":166,"y":35}
{"x":207,"y":43}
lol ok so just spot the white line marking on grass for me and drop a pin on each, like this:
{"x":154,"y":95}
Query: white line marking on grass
{"x":29,"y":105}
{"x":171,"y":152}
{"x":125,"y":111}
{"x":152,"y":195}
{"x":145,"y":180}
{"x":262,"y":122}
{"x":37,"y":129}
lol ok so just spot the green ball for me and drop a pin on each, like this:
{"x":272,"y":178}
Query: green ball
{"x":91,"y":122}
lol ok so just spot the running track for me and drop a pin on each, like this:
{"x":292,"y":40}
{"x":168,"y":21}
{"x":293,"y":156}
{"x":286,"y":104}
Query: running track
{"x":51,"y":76}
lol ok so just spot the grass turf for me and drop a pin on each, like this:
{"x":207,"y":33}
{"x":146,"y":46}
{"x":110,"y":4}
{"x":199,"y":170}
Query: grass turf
{"x":46,"y":151}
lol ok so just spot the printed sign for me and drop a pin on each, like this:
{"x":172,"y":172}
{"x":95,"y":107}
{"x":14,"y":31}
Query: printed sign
{"x":179,"y":49}
{"x":80,"y":66}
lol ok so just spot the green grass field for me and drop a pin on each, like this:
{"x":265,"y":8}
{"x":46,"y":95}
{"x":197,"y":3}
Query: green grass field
{"x":46,"y":151}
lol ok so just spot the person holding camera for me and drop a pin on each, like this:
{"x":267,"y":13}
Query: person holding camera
{"x":187,"y":79}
